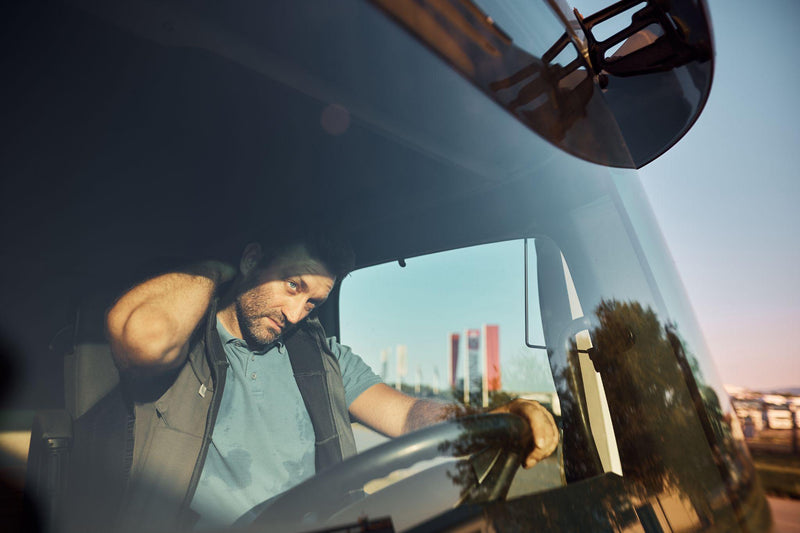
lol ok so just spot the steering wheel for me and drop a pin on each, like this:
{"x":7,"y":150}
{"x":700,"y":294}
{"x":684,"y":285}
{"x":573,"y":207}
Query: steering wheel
{"x":488,"y":449}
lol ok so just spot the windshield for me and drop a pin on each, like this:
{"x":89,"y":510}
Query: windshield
{"x":497,"y":258}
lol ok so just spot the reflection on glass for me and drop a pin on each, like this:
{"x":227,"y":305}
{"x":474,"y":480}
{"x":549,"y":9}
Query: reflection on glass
{"x":673,"y":440}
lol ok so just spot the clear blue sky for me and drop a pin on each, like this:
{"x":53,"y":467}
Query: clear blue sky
{"x":726,"y":196}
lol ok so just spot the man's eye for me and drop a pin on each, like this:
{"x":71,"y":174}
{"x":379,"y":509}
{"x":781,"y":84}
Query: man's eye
{"x":293,"y":286}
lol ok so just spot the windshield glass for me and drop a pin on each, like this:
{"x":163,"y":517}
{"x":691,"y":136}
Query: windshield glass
{"x":155,"y":142}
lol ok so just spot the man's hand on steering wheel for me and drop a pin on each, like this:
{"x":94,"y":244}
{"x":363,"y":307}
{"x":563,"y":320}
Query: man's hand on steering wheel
{"x":543,"y":426}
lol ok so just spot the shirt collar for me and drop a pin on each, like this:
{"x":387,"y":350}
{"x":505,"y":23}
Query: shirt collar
{"x":227,"y":338}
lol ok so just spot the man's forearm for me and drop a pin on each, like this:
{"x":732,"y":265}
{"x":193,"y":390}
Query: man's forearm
{"x":424,"y":413}
{"x":149,"y":326}
{"x":545,"y":433}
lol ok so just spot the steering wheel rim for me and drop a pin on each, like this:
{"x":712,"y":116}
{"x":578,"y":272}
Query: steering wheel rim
{"x":323,"y":495}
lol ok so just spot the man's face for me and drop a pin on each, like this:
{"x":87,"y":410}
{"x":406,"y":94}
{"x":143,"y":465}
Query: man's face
{"x":281,"y":295}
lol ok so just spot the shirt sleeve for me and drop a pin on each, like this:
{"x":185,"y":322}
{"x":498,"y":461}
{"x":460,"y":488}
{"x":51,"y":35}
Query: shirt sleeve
{"x":356,"y":374}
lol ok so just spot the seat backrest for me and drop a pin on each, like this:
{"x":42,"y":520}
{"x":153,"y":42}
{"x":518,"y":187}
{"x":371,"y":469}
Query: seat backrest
{"x":89,"y":370}
{"x":89,"y":374}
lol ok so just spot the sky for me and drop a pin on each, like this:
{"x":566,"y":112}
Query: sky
{"x":725,"y":197}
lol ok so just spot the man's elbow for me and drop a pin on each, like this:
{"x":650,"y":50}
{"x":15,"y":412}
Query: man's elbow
{"x":141,"y":341}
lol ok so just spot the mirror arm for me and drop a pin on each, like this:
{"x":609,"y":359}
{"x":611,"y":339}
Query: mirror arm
{"x":670,"y":50}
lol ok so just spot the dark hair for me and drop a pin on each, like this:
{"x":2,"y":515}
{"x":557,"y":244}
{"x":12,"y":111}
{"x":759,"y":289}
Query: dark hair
{"x":326,"y":246}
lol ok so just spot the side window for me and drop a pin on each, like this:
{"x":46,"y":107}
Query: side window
{"x":468,"y":326}
{"x":452,"y":326}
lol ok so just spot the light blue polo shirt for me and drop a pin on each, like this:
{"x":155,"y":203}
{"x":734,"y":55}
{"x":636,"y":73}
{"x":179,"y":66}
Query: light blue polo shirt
{"x":263,"y":440}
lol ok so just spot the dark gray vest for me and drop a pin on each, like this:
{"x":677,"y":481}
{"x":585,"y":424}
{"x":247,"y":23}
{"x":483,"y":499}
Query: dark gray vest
{"x":161,"y":429}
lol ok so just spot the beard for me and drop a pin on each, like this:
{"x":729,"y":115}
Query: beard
{"x":259,"y":334}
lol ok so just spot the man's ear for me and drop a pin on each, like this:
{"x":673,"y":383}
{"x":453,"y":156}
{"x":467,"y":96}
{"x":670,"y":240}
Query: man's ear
{"x":251,"y":257}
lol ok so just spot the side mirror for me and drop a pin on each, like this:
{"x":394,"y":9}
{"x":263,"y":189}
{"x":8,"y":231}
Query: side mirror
{"x":620,"y":106}
{"x":655,"y":71}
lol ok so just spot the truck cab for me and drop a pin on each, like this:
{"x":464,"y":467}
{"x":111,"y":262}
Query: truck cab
{"x":481,"y":158}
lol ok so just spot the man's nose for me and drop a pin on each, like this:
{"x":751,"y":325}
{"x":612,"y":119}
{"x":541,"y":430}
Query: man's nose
{"x":295,"y":310}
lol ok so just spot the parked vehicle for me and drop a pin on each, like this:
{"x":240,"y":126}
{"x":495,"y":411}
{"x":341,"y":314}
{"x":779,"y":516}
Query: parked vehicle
{"x":779,"y":417}
{"x":481,"y":157}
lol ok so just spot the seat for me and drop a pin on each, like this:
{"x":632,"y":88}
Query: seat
{"x":89,"y":375}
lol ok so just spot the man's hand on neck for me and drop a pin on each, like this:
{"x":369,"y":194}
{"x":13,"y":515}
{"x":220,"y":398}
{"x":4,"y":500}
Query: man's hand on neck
{"x":149,"y":326}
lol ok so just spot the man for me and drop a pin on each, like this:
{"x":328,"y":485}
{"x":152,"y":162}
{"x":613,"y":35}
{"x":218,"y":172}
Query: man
{"x":210,"y":355}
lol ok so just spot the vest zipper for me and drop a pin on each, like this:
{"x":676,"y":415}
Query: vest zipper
{"x":219,"y":368}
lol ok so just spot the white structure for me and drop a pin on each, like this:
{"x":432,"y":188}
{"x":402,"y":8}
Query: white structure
{"x":402,"y":365}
